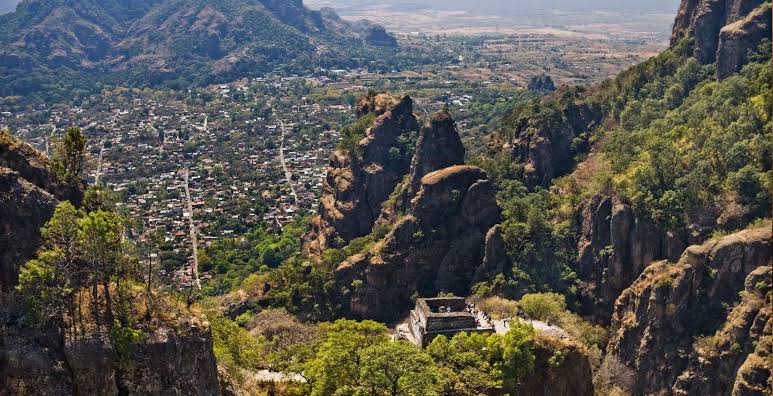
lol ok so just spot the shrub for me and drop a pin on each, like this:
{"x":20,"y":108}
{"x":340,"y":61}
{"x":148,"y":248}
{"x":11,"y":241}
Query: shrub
{"x":543,"y":306}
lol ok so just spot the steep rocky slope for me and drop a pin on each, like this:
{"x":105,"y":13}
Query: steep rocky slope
{"x":438,"y":147}
{"x":614,"y":246}
{"x":360,"y":181}
{"x":673,"y":327}
{"x":614,"y":238}
{"x":738,"y":38}
{"x":428,"y":218}
{"x":703,"y":20}
{"x":174,"y":357}
{"x":28,"y":195}
{"x":561,"y":368}
{"x":436,"y":247}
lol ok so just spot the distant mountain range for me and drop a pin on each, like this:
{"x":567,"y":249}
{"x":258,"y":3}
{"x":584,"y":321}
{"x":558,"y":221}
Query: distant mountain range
{"x":47,"y":43}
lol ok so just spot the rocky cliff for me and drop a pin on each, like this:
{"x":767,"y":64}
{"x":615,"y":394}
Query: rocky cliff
{"x":704,"y":21}
{"x":740,"y":37}
{"x":614,"y":246}
{"x":541,"y":83}
{"x":543,"y":136}
{"x":561,"y":368}
{"x":358,"y":182}
{"x":28,"y":195}
{"x":436,"y":247}
{"x":439,"y":146}
{"x":172,"y":357}
{"x":673,"y":328}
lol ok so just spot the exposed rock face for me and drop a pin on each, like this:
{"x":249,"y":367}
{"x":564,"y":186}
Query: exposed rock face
{"x":614,"y":246}
{"x":28,"y":196}
{"x":437,"y":247}
{"x":355,"y":188}
{"x":439,"y":146}
{"x":659,"y":318}
{"x":34,"y":168}
{"x":704,"y":19}
{"x":24,"y":208}
{"x":496,"y":259}
{"x":541,"y":83}
{"x":569,"y":376}
{"x":378,"y":36}
{"x":544,"y":144}
{"x":738,"y":38}
{"x":377,"y":104}
{"x":736,"y":359}
{"x":169,"y":360}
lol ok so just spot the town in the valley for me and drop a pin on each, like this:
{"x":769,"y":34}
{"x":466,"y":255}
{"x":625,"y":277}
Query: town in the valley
{"x":193,"y":167}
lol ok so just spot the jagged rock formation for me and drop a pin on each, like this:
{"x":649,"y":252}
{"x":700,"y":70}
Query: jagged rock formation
{"x":358,"y":183}
{"x":661,"y":317}
{"x":703,"y":20}
{"x":28,"y":195}
{"x":614,"y":246}
{"x":378,"y":36}
{"x":738,"y":38}
{"x":541,"y":83}
{"x":439,"y":146}
{"x":173,"y":358}
{"x":736,"y":359}
{"x":543,"y":145}
{"x":435,"y":214}
{"x":374,"y":103}
{"x":496,"y":260}
{"x":569,"y":375}
{"x":437,"y":247}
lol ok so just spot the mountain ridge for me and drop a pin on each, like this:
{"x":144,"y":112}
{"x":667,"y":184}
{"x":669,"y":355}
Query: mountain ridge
{"x":171,"y":42}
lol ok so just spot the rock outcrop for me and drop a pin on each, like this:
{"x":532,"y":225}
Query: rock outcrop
{"x":614,"y":246}
{"x":541,"y":83}
{"x":561,"y":368}
{"x":542,"y":139}
{"x":740,"y":37}
{"x":736,"y":359}
{"x":172,"y":358}
{"x":28,"y":195}
{"x":439,"y":146}
{"x":436,"y":247}
{"x":358,"y":183}
{"x":668,"y":319}
{"x":378,"y":36}
{"x":24,"y":208}
{"x":703,"y":20}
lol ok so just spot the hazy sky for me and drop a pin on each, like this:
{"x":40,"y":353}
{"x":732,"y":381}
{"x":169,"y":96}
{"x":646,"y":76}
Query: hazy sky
{"x":491,"y":6}
{"x":483,"y":6}
{"x":7,"y":5}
